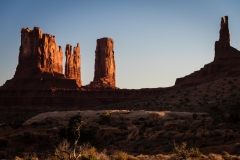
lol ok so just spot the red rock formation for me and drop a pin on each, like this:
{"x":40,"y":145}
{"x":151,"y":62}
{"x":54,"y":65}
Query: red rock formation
{"x":104,"y":75}
{"x":40,"y":64}
{"x":223,"y":44}
{"x":40,"y":51}
{"x":72,"y":66}
{"x":226,"y":61}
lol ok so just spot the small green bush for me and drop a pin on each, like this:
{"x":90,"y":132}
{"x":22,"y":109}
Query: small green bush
{"x":104,"y":117}
{"x":105,"y":114}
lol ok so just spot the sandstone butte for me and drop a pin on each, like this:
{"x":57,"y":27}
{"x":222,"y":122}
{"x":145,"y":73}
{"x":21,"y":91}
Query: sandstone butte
{"x":225,"y":63}
{"x":39,"y":80}
{"x":105,"y":71}
{"x":40,"y":62}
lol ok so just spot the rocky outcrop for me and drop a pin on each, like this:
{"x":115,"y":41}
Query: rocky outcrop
{"x":105,"y":71}
{"x":72,"y":66}
{"x":40,"y":64}
{"x":226,"y":61}
{"x":223,"y":44}
{"x":38,"y":51}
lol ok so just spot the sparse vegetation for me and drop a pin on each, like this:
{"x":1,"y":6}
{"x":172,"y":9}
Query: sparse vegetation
{"x":104,"y":117}
{"x":184,"y":153}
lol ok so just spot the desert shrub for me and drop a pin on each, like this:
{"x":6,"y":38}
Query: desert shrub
{"x":123,"y":156}
{"x":66,"y":151}
{"x":72,"y":132}
{"x":213,"y":156}
{"x":74,"y":126}
{"x":183,"y":153}
{"x":89,"y":153}
{"x":27,"y":156}
{"x":104,"y":117}
{"x":105,"y":114}
{"x":103,"y":156}
{"x":63,"y":152}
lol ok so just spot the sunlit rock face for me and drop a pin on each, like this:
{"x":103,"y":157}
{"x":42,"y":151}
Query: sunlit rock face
{"x":72,"y":66}
{"x":226,"y":61}
{"x":40,"y":51}
{"x":105,"y":70}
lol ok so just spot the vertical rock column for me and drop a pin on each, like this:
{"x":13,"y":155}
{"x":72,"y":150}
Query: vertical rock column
{"x":38,"y":51}
{"x":73,"y":66}
{"x":51,"y":54}
{"x":77,"y":64}
{"x":68,"y":64}
{"x":104,"y":62}
{"x":223,"y":44}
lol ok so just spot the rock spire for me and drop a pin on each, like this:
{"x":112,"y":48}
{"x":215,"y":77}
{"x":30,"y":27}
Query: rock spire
{"x":105,"y":70}
{"x":223,"y":44}
{"x":225,"y":63}
{"x":72,"y":66}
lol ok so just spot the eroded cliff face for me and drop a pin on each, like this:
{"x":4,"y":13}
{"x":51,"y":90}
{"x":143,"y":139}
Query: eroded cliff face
{"x":226,"y":61}
{"x":73,"y":66}
{"x":40,"y":64}
{"x":39,"y":51}
{"x":105,"y":70}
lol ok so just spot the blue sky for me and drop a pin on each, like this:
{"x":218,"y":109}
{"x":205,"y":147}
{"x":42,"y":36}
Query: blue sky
{"x":156,"y":41}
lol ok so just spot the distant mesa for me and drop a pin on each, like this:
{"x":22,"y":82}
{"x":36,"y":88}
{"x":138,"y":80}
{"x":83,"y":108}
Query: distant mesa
{"x":226,"y":61}
{"x":39,"y":78}
{"x":40,"y":61}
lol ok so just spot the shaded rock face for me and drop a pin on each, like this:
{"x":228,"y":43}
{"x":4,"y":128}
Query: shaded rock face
{"x":104,"y":63}
{"x":40,"y":51}
{"x":223,"y":44}
{"x":226,"y":61}
{"x":72,"y":66}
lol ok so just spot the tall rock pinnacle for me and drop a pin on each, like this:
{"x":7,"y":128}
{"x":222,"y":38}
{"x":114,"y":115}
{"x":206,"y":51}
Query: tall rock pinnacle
{"x":225,"y":63}
{"x":72,"y":66}
{"x":104,"y":62}
{"x":223,"y":44}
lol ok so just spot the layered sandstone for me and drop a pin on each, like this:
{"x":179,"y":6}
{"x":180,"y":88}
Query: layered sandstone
{"x":72,"y":66}
{"x":40,"y":51}
{"x":105,"y":71}
{"x":40,"y":64}
{"x":226,"y":61}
